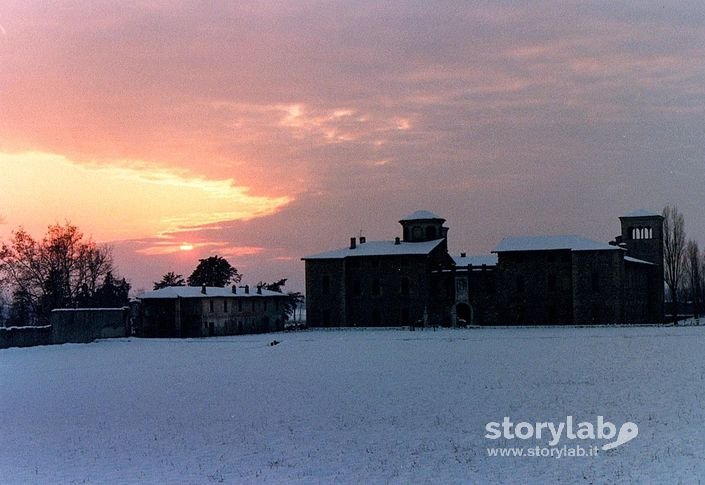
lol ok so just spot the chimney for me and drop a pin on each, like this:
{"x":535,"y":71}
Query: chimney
{"x":397,"y":241}
{"x":259,"y":290}
{"x":234,"y":290}
{"x":247,"y":289}
{"x":463,"y":255}
{"x":352,"y":243}
{"x":203,"y":289}
{"x":363,"y":239}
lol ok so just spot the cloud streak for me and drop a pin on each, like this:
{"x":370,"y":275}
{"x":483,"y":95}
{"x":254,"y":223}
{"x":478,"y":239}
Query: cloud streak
{"x":122,"y":200}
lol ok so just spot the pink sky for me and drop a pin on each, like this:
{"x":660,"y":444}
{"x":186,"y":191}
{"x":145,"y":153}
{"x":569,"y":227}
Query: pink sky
{"x":266,"y":131}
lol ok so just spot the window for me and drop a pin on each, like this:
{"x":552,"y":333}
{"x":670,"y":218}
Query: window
{"x":404,"y":316}
{"x":596,"y":313}
{"x":417,"y":232}
{"x":404,"y":286}
{"x":225,"y":306}
{"x":595,"y":282}
{"x":551,"y":281}
{"x":376,"y":287}
{"x":253,"y":305}
{"x":489,"y":284}
{"x":376,"y":317}
{"x":210,"y":305}
{"x":264,"y":304}
{"x":552,"y":314}
{"x":642,"y":233}
{"x":239,"y":305}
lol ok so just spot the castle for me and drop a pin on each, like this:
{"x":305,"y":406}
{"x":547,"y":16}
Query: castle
{"x":413,"y":280}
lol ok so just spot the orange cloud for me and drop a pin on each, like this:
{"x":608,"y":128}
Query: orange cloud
{"x":123,"y":200}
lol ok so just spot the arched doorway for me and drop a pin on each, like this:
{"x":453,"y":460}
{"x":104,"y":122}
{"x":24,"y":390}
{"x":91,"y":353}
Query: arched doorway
{"x":463,"y":313}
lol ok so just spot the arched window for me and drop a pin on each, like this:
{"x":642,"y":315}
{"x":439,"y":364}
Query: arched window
{"x":417,"y":233}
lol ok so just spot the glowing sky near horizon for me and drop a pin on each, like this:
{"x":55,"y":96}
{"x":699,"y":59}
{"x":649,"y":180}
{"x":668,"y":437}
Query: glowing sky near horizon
{"x":268,"y":130}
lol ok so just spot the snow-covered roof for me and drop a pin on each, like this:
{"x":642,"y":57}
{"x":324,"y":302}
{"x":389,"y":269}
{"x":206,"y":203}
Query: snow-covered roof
{"x":380,"y":248}
{"x":173,"y":292}
{"x":421,"y":215}
{"x":638,"y":261}
{"x":549,"y":243}
{"x":486,"y":259}
{"x":641,"y":213}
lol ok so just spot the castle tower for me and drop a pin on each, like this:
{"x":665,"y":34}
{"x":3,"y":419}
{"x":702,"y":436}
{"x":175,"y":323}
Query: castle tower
{"x":642,"y":237}
{"x":423,"y":226}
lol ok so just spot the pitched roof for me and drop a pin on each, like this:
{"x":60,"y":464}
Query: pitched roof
{"x":173,"y":292}
{"x":486,"y":259}
{"x":640,"y":213}
{"x":380,"y":248}
{"x":549,"y":243}
{"x":421,"y":215}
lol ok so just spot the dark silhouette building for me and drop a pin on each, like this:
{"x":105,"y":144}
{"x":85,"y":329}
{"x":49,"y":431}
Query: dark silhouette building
{"x":528,"y":280}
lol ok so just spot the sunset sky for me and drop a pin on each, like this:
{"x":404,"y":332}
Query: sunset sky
{"x":264,"y":131}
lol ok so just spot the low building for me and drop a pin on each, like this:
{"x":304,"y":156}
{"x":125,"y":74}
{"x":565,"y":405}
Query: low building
{"x":190,"y":311}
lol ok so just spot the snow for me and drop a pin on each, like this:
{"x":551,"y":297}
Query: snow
{"x":477,"y":260}
{"x":549,"y":243}
{"x":421,"y":215}
{"x":380,"y":248}
{"x":385,"y":406}
{"x":640,"y":213}
{"x":172,"y":292}
{"x":638,"y":261}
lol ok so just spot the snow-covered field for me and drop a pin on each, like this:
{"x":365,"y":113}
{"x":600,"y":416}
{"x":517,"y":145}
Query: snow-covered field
{"x":352,"y":406}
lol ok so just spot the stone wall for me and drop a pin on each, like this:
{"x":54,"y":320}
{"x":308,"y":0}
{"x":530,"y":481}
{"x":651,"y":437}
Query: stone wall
{"x":25,"y":336}
{"x":83,"y":325}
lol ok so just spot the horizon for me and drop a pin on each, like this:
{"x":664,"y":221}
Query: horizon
{"x":265,"y":132}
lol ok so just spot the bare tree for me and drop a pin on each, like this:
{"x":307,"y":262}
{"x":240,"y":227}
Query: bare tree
{"x":674,"y":254}
{"x":58,"y":271}
{"x":693,"y":267}
{"x":701,"y":296}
